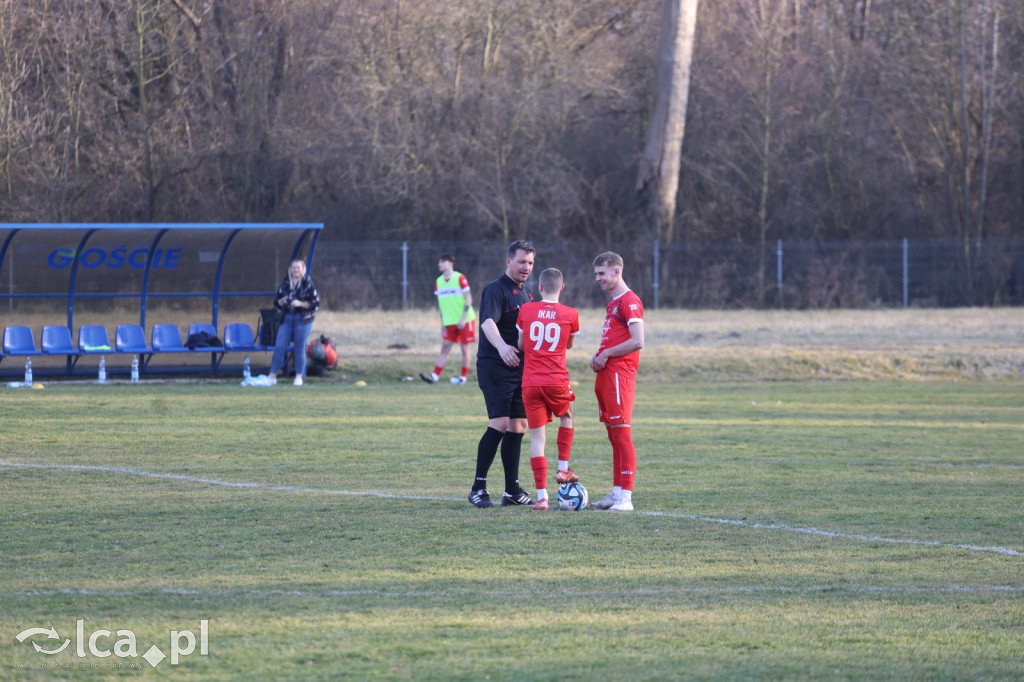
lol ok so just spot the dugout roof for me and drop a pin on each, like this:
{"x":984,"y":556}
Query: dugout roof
{"x":118,"y":267}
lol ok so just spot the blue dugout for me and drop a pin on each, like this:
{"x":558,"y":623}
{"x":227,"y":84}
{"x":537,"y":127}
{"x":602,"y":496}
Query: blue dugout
{"x":114,"y":273}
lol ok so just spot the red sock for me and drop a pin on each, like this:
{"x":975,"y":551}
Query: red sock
{"x":623,"y":455}
{"x":465,"y":371}
{"x":564,"y":443}
{"x":616,"y":481}
{"x":438,"y":369}
{"x":540,"y":471}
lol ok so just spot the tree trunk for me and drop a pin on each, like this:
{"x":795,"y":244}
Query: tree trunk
{"x":658,"y":175}
{"x":142,"y":82}
{"x":989,"y":67}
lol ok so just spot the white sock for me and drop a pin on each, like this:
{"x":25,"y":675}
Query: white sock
{"x":542,"y":494}
{"x":617,"y":491}
{"x":625,"y":495}
{"x":435,"y":377}
{"x":563,"y":466}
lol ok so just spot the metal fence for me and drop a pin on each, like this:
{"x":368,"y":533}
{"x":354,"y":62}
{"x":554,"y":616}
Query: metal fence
{"x":921,"y":273}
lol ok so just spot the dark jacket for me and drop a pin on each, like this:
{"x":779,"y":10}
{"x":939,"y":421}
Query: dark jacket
{"x":305,"y":291}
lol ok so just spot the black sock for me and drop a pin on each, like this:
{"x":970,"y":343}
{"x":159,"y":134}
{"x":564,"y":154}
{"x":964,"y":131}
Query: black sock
{"x":485,"y":453}
{"x":511,"y":444}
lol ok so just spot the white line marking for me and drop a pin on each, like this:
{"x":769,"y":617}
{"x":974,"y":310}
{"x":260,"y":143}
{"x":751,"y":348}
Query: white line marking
{"x":213,"y":481}
{"x":842,"y":536}
{"x":691,"y":517}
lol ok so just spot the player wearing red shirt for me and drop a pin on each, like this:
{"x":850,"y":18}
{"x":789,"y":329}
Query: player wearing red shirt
{"x":547,"y":329}
{"x":616,"y":362}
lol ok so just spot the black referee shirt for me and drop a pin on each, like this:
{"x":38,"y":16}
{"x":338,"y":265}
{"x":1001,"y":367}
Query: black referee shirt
{"x":500,"y":302}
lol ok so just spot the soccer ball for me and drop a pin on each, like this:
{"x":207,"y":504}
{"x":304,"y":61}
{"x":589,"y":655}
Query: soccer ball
{"x":572,"y":496}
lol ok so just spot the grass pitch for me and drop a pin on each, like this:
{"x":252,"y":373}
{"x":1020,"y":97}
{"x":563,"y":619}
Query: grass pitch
{"x":784,"y":530}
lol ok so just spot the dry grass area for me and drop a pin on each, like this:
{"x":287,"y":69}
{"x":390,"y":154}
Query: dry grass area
{"x":975,"y":343}
{"x":914,"y":344}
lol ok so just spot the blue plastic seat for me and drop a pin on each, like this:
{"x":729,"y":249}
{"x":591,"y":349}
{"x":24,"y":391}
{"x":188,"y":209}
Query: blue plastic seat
{"x":93,"y":339}
{"x":19,"y":341}
{"x":57,"y":341}
{"x":131,"y":338}
{"x":238,"y":337}
{"x":166,"y":338}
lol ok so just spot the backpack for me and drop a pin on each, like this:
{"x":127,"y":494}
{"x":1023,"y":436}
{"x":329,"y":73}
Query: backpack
{"x":322,"y":354}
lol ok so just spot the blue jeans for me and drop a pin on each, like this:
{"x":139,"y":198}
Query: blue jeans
{"x":292,"y":328}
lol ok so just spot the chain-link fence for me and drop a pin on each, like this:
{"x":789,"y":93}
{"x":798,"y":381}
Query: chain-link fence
{"x":924,"y":273}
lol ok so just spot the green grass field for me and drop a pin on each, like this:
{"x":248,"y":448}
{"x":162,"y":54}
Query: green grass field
{"x":785,"y":529}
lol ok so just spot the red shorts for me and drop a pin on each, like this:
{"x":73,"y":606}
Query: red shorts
{"x":465,"y":335}
{"x":614,"y":397}
{"x":544,"y":402}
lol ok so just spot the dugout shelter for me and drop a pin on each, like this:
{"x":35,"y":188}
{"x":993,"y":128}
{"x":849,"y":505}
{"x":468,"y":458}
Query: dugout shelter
{"x":66,"y":283}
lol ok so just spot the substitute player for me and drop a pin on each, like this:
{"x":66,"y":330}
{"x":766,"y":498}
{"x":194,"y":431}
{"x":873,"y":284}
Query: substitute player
{"x":458,"y":319}
{"x":616,"y":362}
{"x":500,"y":376}
{"x":547,"y":329}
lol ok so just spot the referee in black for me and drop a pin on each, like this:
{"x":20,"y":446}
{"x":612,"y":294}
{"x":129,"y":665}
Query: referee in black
{"x":499,"y":371}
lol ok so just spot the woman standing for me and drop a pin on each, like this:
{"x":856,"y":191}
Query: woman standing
{"x":298,"y":301}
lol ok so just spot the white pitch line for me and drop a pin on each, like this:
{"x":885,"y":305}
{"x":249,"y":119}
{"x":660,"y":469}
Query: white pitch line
{"x":216,"y":482}
{"x":839,"y":536}
{"x":691,"y":517}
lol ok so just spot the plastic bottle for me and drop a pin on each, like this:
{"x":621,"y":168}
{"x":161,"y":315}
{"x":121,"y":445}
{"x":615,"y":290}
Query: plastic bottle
{"x":28,"y":372}
{"x":102,"y":378}
{"x":246,"y":370}
{"x":135,"y":369}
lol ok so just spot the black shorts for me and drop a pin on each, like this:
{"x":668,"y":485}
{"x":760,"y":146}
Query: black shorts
{"x":502,"y":387}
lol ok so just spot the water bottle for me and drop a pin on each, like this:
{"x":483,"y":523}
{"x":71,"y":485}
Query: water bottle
{"x":102,"y":378}
{"x":28,"y":372}
{"x":246,"y":371}
{"x":135,"y":369}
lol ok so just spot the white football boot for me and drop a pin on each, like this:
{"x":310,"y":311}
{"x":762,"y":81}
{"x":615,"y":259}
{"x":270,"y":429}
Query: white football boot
{"x":624,"y":502}
{"x":607,"y":502}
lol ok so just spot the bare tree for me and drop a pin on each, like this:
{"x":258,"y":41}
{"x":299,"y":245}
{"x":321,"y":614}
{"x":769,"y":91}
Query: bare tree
{"x":952,"y":101}
{"x":660,"y":163}
{"x":489,"y":119}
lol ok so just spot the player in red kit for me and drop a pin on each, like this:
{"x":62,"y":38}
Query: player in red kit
{"x":616,"y":362}
{"x":547,"y":329}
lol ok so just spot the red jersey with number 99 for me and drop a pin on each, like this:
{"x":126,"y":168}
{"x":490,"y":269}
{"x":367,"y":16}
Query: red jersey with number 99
{"x":546,"y":328}
{"x":620,"y":312}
